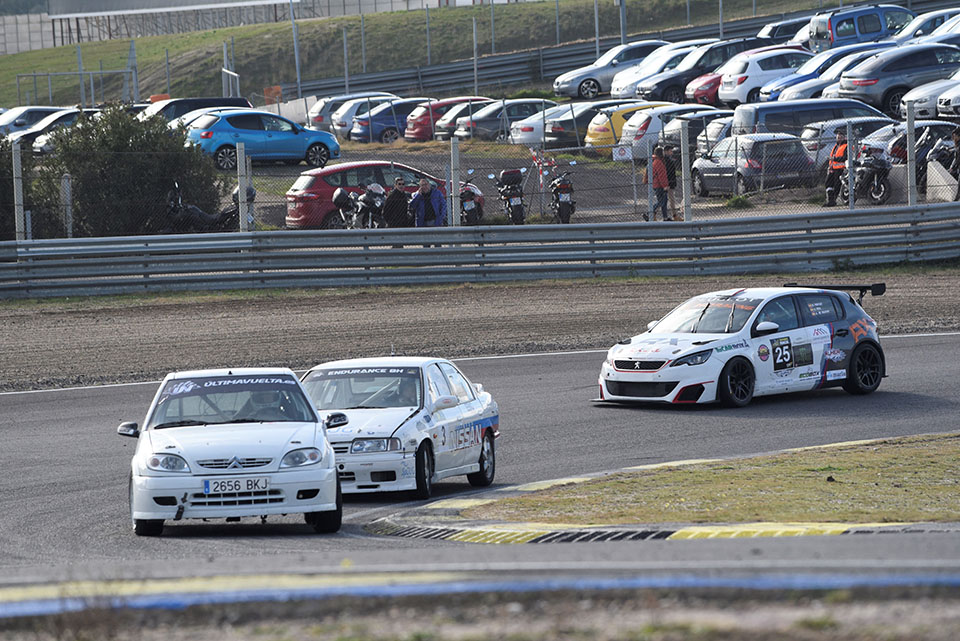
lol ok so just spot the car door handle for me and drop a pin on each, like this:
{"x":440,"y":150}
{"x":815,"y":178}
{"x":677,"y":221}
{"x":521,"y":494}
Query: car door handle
{"x":842,"y":332}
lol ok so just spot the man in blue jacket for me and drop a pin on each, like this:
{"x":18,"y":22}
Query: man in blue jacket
{"x":429,"y":206}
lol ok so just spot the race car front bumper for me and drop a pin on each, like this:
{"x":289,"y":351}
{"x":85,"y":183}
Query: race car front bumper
{"x":386,"y":472}
{"x":662,"y":386}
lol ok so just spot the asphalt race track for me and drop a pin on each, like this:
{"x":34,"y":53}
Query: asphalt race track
{"x":64,"y":486}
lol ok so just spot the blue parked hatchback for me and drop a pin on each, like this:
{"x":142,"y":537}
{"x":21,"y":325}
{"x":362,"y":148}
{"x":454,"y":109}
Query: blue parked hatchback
{"x":815,"y":66}
{"x":266,"y":136}
{"x":385,"y":122}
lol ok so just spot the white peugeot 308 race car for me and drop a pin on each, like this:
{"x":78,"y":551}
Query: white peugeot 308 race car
{"x":412,"y":422}
{"x":732,"y":345}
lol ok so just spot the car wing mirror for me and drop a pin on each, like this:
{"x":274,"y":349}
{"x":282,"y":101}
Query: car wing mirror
{"x":766,"y":327}
{"x":651,"y":325}
{"x":335,"y":420}
{"x":444,"y":403}
{"x":19,"y":122}
{"x":478,"y":387}
{"x":130,"y":428}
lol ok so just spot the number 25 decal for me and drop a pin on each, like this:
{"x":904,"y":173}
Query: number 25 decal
{"x":782,"y":353}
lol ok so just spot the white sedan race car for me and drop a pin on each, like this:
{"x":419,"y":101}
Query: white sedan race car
{"x":732,"y":345}
{"x":412,"y":422}
{"x":226,"y":444}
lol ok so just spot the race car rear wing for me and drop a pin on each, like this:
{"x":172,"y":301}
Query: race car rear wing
{"x":877,"y":289}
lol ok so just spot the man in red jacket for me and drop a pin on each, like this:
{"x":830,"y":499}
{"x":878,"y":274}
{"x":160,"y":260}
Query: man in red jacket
{"x":660,"y":183}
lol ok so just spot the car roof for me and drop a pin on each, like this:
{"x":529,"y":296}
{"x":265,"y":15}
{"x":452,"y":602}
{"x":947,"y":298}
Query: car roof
{"x":766,"y":137}
{"x":390,"y":361}
{"x":858,"y":8}
{"x":788,"y":21}
{"x":442,"y":102}
{"x":343,"y":166}
{"x":853,"y":121}
{"x":244,"y":111}
{"x":239,"y":371}
{"x":764,"y":293}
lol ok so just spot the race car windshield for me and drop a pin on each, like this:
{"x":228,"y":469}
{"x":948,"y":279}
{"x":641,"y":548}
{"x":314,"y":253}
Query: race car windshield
{"x":230,"y":399}
{"x":364,"y":387}
{"x":708,"y":316}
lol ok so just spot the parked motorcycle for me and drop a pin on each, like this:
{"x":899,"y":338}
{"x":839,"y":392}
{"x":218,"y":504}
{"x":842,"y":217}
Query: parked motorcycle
{"x":184,"y":218}
{"x":360,"y":211}
{"x":471,"y":211}
{"x":870,"y":179}
{"x":562,"y":203}
{"x":929,"y":148}
{"x":510,"y":186}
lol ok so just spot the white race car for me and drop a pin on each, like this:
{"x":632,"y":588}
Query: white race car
{"x":226,"y":444}
{"x":412,"y":422}
{"x":732,"y":345}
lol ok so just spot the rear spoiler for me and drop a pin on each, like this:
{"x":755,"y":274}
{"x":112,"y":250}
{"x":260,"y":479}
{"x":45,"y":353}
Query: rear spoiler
{"x":876,"y":289}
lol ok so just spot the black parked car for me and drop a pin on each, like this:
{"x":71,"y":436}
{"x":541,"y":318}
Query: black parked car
{"x":741,"y":164}
{"x":781,"y":31}
{"x":696,"y":123}
{"x":570,"y":128}
{"x":671,"y":84}
{"x":492,"y":121}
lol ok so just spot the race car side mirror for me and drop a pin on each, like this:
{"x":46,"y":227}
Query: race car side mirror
{"x":478,"y":387}
{"x":129,"y":429}
{"x":335,"y":420}
{"x":444,"y":403}
{"x":766,"y":327}
{"x":651,"y":325}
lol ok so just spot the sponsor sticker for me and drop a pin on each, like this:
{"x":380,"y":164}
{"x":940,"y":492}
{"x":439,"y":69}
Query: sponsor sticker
{"x":835,"y":355}
{"x":742,"y":344}
{"x":836,"y":374}
{"x":821,"y":333}
{"x":763,"y":352}
{"x":809,"y":375}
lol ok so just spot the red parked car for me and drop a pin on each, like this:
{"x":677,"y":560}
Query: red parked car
{"x":420,"y":122}
{"x":703,"y":89}
{"x":310,"y":198}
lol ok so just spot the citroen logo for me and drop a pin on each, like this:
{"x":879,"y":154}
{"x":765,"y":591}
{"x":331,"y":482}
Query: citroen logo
{"x":234,"y":463}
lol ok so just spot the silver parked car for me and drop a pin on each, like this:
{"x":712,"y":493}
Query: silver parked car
{"x":814,"y":87}
{"x":594,"y":79}
{"x":818,"y":138}
{"x":23,"y":118}
{"x":319,"y":115}
{"x":883,"y":79}
{"x":341,"y":120}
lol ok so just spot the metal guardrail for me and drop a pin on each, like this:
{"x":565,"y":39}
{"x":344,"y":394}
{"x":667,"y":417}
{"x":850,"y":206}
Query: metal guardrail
{"x":536,"y":65}
{"x":794,"y":243}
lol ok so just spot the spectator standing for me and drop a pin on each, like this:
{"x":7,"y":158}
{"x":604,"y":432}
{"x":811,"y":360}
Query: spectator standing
{"x":660,"y":183}
{"x":396,"y":206}
{"x":835,"y":166}
{"x":670,"y":162}
{"x":428,"y":205}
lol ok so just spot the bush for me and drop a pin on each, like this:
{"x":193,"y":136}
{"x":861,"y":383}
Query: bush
{"x":121,"y":170}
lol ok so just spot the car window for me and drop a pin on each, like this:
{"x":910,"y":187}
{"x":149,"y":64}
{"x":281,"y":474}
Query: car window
{"x":795,"y":60}
{"x":302,"y":183}
{"x":205,"y":121}
{"x":845,"y":28}
{"x":633,"y":54}
{"x":896,"y":20}
{"x":780,"y":122}
{"x":246,"y":121}
{"x":947,"y":56}
{"x":869,"y":23}
{"x":364,"y":387}
{"x":912,"y":61}
{"x":817,"y":309}
{"x":780,"y":311}
{"x":437,"y":385}
{"x":715,"y":57}
{"x":774,"y":62}
{"x":272,"y":123}
{"x":856,"y":112}
{"x":722,"y":148}
{"x":708,"y":315}
{"x":392,"y":173}
{"x":458,"y":384}
{"x":359,"y":176}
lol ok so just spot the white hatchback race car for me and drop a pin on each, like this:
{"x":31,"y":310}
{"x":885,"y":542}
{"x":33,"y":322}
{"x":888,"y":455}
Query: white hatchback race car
{"x":732,"y":345}
{"x":226,"y":444}
{"x":412,"y":422}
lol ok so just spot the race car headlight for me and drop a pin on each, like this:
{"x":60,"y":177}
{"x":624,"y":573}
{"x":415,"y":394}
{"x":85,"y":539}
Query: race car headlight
{"x":371,"y":445}
{"x":697,"y":358}
{"x":301,"y":457}
{"x":167,"y":463}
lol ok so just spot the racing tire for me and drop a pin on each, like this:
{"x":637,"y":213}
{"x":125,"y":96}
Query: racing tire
{"x":736,"y":383}
{"x":389,"y":136}
{"x":865,"y":370}
{"x":673,"y":94}
{"x":425,"y":471}
{"x":699,"y":188}
{"x":879,"y":191}
{"x":516,"y":215}
{"x":317,"y":155}
{"x":327,"y":522}
{"x":589,"y":89}
{"x":564,"y":212}
{"x":488,"y":464}
{"x":143,"y":527}
{"x":225,"y":158}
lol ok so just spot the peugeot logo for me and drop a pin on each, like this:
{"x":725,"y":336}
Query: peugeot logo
{"x":636,"y":365}
{"x":234,"y":463}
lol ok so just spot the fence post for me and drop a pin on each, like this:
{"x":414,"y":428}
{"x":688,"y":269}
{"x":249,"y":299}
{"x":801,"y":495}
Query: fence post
{"x":454,"y":210}
{"x":83,"y":91}
{"x":346,"y":64}
{"x":685,"y":168}
{"x":493,"y":33}
{"x":911,"y":157}
{"x":596,"y":27}
{"x":21,"y":225}
{"x":851,"y":183}
{"x":242,"y":185}
{"x":428,"y":35}
{"x":557,"y":5}
{"x":66,"y":199}
{"x":721,"y":19}
{"x":475,"y":83}
{"x":649,"y":169}
{"x":363,"y":46}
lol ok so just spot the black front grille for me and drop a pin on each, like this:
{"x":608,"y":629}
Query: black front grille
{"x":347,"y":476}
{"x":640,"y":390}
{"x":262,"y":497}
{"x":341,"y":448}
{"x":639,"y":365}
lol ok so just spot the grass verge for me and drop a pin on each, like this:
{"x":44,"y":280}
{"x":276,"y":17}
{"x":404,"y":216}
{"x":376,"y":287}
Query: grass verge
{"x":893,"y":480}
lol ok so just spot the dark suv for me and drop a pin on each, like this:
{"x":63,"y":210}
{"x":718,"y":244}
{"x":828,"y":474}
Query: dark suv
{"x":670,"y":85}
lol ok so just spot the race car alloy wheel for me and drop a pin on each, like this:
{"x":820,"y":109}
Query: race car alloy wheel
{"x":424,"y":472}
{"x":317,"y":155}
{"x":225,"y":158}
{"x":488,"y":464}
{"x":143,"y":527}
{"x":735,"y":387}
{"x":865,"y":370}
{"x":327,"y":522}
{"x":589,"y":89}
